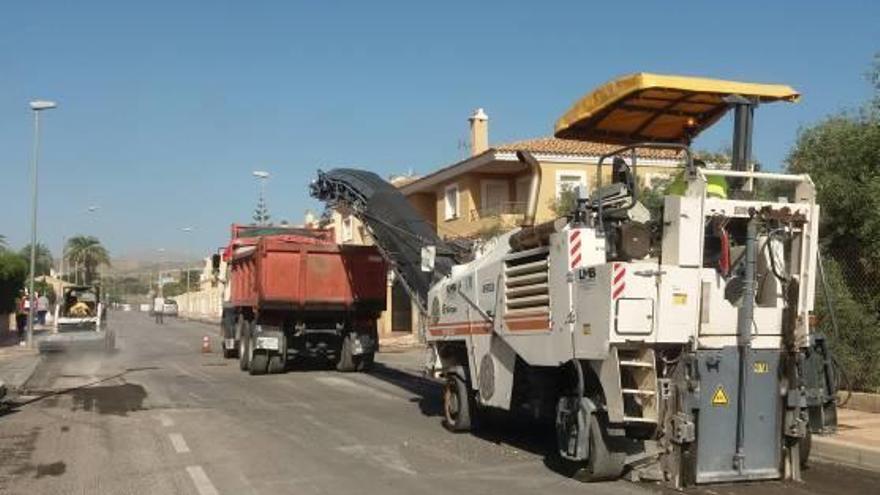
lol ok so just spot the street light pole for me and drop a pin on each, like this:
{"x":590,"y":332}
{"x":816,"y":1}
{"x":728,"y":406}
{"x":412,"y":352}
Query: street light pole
{"x":159,"y":291}
{"x":37,"y":107}
{"x":187,"y":230}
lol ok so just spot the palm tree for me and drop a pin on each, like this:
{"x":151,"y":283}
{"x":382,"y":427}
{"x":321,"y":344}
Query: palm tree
{"x":44,"y":258}
{"x":87,"y":251}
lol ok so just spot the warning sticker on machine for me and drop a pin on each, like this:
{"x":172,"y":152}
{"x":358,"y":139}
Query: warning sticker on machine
{"x":719,"y":398}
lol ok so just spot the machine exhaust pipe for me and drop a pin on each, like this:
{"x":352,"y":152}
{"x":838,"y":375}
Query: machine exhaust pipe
{"x":534,"y":186}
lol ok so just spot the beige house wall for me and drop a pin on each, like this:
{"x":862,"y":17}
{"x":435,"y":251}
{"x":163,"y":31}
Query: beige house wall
{"x":470,"y":222}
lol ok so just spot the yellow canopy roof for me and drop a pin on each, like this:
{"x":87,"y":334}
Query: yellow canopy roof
{"x":652,"y":107}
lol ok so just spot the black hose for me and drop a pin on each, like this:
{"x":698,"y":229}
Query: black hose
{"x":845,"y":379}
{"x":829,"y":302}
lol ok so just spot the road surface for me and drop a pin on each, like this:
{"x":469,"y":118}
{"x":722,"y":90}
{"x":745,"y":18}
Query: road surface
{"x":160,"y":417}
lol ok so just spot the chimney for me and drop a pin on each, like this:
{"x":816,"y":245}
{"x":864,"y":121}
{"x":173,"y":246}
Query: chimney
{"x":479,"y":132}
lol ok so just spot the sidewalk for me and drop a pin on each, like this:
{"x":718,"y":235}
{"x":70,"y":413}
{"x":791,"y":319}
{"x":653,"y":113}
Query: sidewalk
{"x":856,"y":443}
{"x":17,"y":363}
{"x":402,"y":342}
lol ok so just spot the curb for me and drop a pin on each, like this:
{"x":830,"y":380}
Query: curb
{"x":860,"y":401}
{"x":827,"y":449}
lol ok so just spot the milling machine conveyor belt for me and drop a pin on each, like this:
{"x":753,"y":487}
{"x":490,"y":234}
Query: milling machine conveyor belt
{"x":396,"y":227}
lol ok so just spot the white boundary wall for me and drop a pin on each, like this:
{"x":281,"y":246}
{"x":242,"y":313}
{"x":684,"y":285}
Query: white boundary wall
{"x":201,"y":305}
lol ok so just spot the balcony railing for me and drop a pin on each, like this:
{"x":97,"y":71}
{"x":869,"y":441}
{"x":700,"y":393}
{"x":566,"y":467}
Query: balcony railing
{"x":507,"y":208}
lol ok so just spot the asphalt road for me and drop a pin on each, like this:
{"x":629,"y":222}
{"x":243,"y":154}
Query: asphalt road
{"x":160,"y":417}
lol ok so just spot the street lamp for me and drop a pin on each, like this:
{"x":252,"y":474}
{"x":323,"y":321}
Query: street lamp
{"x":159,"y":291}
{"x":187,"y":230}
{"x":37,"y":106}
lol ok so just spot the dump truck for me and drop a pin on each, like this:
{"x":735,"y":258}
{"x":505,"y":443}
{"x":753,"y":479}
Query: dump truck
{"x":671,"y":346}
{"x":293,"y":294}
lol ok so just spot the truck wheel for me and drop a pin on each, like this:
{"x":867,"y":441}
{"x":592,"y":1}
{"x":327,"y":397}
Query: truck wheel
{"x":244,"y":345}
{"x":346,"y":355}
{"x":364,"y":362}
{"x":259,"y":363}
{"x":276,"y":364}
{"x":458,"y":404}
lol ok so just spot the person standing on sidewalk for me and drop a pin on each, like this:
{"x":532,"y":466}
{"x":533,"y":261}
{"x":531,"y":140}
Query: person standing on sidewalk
{"x":42,"y":308}
{"x":21,"y":315}
{"x":159,"y":309}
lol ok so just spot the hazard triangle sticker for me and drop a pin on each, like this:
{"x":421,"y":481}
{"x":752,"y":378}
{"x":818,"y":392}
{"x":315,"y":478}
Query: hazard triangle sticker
{"x":719,"y":398}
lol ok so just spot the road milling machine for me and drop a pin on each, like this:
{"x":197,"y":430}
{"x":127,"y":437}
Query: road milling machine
{"x":668,"y":347}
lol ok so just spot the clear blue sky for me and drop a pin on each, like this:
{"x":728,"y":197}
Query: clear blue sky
{"x":166,"y":106}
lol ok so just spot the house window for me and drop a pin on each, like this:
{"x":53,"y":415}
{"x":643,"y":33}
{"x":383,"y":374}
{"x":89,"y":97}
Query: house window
{"x":495,"y":196}
{"x":451,"y":202}
{"x":569,"y":180}
{"x":347,"y":229}
{"x":523,"y":184}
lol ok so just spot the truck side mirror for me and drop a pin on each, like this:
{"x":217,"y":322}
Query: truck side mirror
{"x":429,"y":253}
{"x":215,"y":262}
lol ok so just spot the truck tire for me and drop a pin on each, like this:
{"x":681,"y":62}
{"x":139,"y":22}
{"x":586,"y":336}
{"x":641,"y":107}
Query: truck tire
{"x":346,"y":361}
{"x":244,"y":344}
{"x":259,"y":363}
{"x":276,"y":364}
{"x":364,"y":362}
{"x":278,"y":360}
{"x":458,"y":404}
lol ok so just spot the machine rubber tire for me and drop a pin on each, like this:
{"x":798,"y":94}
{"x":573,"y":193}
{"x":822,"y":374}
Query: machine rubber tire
{"x":603,"y":464}
{"x":244,"y":346}
{"x":259,"y":363}
{"x":806,"y":446}
{"x":458,"y":404}
{"x":364,"y":362}
{"x":346,"y":361}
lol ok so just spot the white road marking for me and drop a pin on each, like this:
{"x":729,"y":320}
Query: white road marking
{"x":165,"y":420}
{"x":201,"y":480}
{"x":179,"y":443}
{"x":337,"y":382}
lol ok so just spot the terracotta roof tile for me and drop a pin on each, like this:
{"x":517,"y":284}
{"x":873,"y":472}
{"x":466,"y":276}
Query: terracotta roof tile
{"x":558,"y":146}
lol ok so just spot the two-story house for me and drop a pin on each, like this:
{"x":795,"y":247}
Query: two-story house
{"x":487,"y":192}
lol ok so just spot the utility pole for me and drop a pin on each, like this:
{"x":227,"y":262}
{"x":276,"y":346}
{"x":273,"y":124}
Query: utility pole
{"x":187,"y":230}
{"x":37,"y":107}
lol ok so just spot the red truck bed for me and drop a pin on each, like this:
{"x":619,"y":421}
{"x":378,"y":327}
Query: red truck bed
{"x":290,"y":273}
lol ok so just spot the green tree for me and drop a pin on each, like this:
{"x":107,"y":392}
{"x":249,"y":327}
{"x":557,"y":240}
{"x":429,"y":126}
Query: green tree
{"x":13,"y":272}
{"x":2,"y":242}
{"x":565,"y":202}
{"x":87,"y":252}
{"x":44,"y":260}
{"x":842,"y":155}
{"x":261,"y":212}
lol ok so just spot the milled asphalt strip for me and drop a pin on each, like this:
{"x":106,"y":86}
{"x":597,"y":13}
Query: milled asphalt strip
{"x":201,"y":480}
{"x":179,"y":443}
